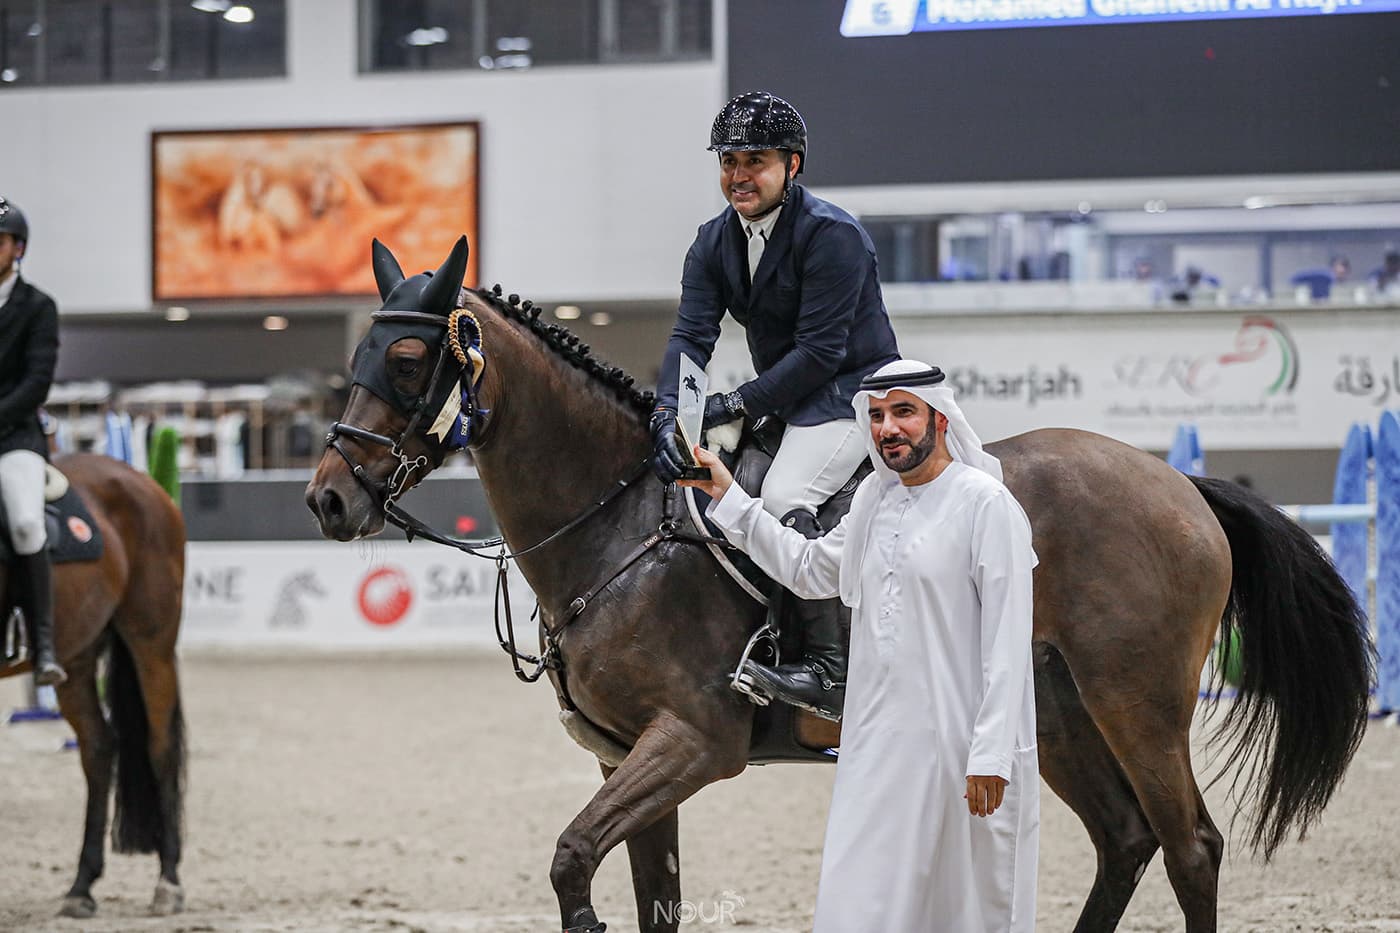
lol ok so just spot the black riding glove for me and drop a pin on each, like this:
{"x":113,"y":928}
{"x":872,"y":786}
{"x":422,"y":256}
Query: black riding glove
{"x":722,"y":408}
{"x":666,"y":458}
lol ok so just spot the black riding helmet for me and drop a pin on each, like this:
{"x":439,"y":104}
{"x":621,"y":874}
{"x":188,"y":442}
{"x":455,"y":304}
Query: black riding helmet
{"x":12,"y":221}
{"x":759,"y":120}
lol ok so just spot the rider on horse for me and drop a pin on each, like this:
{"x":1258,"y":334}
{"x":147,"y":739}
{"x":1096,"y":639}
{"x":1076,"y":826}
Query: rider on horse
{"x":28,"y":354}
{"x":799,"y":274}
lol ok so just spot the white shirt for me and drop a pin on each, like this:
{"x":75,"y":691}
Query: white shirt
{"x":762,"y":229}
{"x":7,"y":286}
{"x":763,"y":225}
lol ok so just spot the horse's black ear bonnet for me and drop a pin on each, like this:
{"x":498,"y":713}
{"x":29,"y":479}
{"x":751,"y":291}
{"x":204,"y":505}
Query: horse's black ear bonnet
{"x":431,"y":294}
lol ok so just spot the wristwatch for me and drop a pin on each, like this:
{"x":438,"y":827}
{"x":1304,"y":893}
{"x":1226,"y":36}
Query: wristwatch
{"x":734,"y":404}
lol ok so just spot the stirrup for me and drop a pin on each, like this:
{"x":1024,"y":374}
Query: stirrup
{"x":741,"y":681}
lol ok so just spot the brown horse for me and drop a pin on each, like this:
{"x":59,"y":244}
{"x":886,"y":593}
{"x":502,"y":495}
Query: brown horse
{"x":127,"y":605}
{"x":1139,"y":565}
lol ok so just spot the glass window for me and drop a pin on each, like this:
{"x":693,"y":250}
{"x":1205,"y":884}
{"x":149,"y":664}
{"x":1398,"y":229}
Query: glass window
{"x":133,"y":43}
{"x":551,"y":32}
{"x":419,"y":34}
{"x":74,"y":43}
{"x":103,"y":41}
{"x":647,"y":30}
{"x":404,"y":35}
{"x":206,"y":44}
{"x":21,"y":41}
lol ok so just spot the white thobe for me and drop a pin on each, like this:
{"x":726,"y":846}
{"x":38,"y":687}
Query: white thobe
{"x":939,"y":688}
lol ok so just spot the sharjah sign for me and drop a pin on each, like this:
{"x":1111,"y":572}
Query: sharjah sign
{"x":290,"y":212}
{"x":1288,"y":380}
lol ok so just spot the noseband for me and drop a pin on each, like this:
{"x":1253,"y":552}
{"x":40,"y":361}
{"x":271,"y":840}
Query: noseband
{"x":469,"y":419}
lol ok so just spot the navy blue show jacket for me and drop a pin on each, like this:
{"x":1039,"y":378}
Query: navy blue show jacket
{"x":814,"y":317}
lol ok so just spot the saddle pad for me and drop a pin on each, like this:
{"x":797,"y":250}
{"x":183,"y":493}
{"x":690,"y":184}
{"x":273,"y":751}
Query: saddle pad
{"x":72,"y":531}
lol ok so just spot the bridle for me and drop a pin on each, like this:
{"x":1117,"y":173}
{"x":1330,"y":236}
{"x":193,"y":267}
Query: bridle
{"x":389,"y":490}
{"x":455,"y":358}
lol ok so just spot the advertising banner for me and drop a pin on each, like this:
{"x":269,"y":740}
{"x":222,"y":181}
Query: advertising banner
{"x":323,"y":594}
{"x":1248,"y":381}
{"x":901,"y":17}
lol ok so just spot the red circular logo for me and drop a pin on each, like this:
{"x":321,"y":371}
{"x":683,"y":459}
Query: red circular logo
{"x":79,"y":529}
{"x":385,"y":596}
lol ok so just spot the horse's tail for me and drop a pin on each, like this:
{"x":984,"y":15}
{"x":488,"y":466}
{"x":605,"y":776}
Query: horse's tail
{"x":1308,"y":665}
{"x":139,"y":821}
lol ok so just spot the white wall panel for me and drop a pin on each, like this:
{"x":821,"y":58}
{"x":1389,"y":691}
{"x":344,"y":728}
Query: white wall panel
{"x":593,"y":178}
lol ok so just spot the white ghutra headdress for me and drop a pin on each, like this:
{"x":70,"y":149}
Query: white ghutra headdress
{"x":925,"y":382}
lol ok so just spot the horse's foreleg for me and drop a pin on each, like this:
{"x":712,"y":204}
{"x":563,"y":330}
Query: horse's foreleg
{"x":1079,"y":766}
{"x":81,"y":707}
{"x":669,"y":762}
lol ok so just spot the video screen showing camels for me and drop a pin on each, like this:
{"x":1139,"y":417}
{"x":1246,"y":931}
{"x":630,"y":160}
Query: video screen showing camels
{"x":290,"y":212}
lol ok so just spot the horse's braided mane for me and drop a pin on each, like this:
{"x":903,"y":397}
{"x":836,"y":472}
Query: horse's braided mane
{"x":568,"y":346}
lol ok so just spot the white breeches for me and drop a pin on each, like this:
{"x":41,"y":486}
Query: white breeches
{"x":22,"y":491}
{"x":813,"y":462}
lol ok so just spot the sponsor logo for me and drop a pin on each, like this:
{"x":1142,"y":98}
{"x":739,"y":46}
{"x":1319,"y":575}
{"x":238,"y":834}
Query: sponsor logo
{"x":214,"y":584}
{"x":384,"y":596}
{"x":1262,"y":361}
{"x":458,"y":583}
{"x":214,"y":595}
{"x":1358,"y":376}
{"x":79,"y":529}
{"x":288,"y":610}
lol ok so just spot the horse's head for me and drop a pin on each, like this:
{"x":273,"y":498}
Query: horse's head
{"x":412,"y":399}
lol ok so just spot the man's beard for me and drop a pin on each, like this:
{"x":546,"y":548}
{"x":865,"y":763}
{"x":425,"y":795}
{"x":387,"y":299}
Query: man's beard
{"x":918,"y":451}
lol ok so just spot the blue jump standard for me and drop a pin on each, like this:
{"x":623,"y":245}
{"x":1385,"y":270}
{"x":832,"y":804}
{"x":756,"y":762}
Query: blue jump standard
{"x":34,"y":714}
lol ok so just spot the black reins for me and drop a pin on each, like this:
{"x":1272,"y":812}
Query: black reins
{"x":412,"y":527}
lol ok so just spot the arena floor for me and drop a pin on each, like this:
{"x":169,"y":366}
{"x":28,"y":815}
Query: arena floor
{"x":425,"y":794}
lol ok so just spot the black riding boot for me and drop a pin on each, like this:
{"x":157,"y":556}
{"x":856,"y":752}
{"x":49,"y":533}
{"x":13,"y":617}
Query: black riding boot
{"x":37,"y":571}
{"x":818,"y":681}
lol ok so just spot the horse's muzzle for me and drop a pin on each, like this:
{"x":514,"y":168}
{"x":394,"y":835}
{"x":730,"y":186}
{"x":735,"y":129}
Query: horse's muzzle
{"x":341,"y":517}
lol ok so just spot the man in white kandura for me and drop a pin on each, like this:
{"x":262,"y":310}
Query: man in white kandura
{"x":935,"y":816}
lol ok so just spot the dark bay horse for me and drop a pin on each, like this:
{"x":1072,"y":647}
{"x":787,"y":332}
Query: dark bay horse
{"x":125,"y":605}
{"x":1139,"y":568}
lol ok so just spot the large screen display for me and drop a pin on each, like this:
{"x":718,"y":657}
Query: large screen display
{"x":275,"y":213}
{"x":901,"y":17}
{"x":1289,"y":94}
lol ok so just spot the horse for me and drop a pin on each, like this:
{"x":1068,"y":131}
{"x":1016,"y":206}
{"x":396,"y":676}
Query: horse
{"x":1140,"y":566}
{"x":125,"y":605}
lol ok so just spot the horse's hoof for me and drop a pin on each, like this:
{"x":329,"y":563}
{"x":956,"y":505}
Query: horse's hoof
{"x":169,"y":899}
{"x":585,"y":920}
{"x":79,"y":908}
